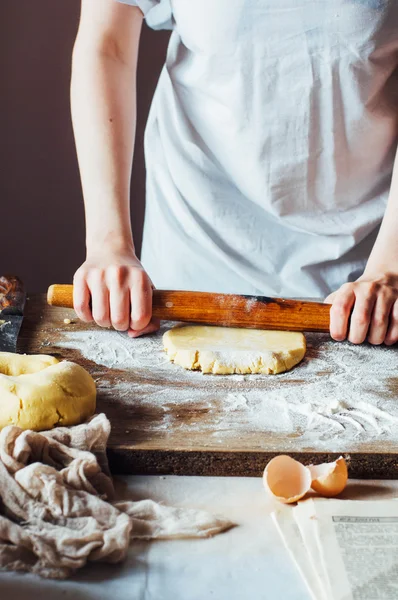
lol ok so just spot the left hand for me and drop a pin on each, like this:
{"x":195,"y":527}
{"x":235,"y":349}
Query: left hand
{"x":372,"y":302}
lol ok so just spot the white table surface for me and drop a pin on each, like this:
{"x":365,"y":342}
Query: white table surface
{"x":247,"y":562}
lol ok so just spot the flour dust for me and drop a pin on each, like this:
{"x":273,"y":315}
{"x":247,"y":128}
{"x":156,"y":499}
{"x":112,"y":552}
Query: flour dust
{"x":339,"y":393}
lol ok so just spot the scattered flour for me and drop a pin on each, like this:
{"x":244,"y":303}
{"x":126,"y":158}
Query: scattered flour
{"x":340,"y":395}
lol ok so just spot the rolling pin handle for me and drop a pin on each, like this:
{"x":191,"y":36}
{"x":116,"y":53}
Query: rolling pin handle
{"x":60,"y":295}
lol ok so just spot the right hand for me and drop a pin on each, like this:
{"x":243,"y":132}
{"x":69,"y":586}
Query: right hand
{"x":119,"y":290}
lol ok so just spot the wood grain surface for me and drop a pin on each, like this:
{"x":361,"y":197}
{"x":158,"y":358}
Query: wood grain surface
{"x":139,"y":445}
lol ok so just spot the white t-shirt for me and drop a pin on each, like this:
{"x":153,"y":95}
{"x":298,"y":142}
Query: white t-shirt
{"x":270,"y":143}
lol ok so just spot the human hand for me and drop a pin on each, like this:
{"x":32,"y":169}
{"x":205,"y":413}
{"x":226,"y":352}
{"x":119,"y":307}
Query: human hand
{"x":372,"y":302}
{"x":112,"y":289}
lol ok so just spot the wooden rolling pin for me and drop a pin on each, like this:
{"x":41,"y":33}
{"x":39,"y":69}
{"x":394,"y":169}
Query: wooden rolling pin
{"x":226,"y":310}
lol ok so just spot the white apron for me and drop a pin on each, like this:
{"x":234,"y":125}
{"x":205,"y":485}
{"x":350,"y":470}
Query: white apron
{"x":270,"y":143}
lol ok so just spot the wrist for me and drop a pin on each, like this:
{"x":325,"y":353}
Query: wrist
{"x":110,"y":242}
{"x":379,"y":272}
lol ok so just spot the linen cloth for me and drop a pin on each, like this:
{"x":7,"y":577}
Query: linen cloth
{"x":270,"y":143}
{"x":57,"y":504}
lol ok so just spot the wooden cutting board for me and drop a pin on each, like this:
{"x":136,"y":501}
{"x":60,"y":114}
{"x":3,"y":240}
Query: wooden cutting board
{"x":166,"y":420}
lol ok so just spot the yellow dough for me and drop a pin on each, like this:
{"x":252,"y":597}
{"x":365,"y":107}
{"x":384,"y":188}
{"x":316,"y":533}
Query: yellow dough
{"x":224,"y":351}
{"x":39,"y":392}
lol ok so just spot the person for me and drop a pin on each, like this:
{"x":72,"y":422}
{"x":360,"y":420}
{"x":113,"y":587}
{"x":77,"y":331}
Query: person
{"x":270,"y":151}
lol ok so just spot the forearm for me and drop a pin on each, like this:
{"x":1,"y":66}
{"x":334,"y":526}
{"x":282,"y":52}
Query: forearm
{"x":104,"y":114}
{"x":384,"y":256}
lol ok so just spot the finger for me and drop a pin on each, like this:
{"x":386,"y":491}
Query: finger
{"x":330,"y":299}
{"x":99,"y":300}
{"x":119,"y":297}
{"x":119,"y":303}
{"x":340,"y":313}
{"x":392,"y":332}
{"x":380,"y":319}
{"x":81,"y":299}
{"x":141,"y":301}
{"x":154,"y":325}
{"x":361,"y":317}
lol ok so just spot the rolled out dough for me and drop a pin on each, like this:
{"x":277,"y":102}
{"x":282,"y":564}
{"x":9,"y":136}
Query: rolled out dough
{"x":225,"y":350}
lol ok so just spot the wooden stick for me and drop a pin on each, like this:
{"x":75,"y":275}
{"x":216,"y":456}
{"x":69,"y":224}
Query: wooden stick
{"x":227,"y":310}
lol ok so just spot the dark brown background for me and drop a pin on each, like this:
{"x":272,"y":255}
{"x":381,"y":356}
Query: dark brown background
{"x":42,"y":226}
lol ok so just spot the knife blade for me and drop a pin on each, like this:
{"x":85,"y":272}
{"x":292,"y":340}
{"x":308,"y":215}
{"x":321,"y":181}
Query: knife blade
{"x":9,"y":331}
{"x":12,"y":303}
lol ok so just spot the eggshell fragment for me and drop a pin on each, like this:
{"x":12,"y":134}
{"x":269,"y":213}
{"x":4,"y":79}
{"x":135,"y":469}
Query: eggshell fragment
{"x":329,"y":479}
{"x":286,"y":479}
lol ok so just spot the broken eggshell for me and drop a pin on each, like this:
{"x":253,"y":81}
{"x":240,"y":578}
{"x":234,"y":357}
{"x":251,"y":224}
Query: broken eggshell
{"x":329,"y":479}
{"x":287,"y":479}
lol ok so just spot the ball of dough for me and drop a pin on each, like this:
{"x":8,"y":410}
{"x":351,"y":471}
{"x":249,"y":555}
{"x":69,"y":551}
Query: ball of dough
{"x":226,"y":350}
{"x":39,"y":392}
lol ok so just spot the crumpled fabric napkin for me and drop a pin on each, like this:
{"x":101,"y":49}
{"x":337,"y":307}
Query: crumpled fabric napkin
{"x":58,"y":508}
